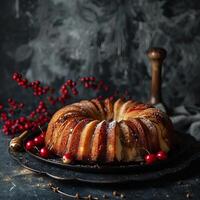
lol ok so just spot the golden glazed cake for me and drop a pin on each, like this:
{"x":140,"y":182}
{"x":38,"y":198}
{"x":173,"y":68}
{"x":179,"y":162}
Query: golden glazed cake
{"x":105,"y":131}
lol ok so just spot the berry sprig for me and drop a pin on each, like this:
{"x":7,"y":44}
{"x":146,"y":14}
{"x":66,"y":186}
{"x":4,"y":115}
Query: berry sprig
{"x":36,"y":86}
{"x":14,"y":106}
{"x":92,"y":83}
{"x":39,"y":117}
{"x":68,"y":87}
{"x":48,"y":100}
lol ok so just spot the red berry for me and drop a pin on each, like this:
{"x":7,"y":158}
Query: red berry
{"x":27,"y":125}
{"x":42,"y":135}
{"x":5,"y":129}
{"x":150,"y":159}
{"x":20,"y":127}
{"x":36,"y":82}
{"x":10,"y":100}
{"x":8,"y":123}
{"x":73,"y":84}
{"x":21,"y":105}
{"x":18,"y":80}
{"x":38,"y":140}
{"x":161,"y":155}
{"x":63,"y":87}
{"x":44,"y":153}
{"x":14,"y":107}
{"x":23,"y":83}
{"x":39,"y":93}
{"x":22,"y":119}
{"x":4,"y":116}
{"x":111,"y":98}
{"x":32,"y":114}
{"x":37,"y":110}
{"x":65,"y":92}
{"x":16,"y":76}
{"x":86,"y":85}
{"x":92,"y":78}
{"x":30,"y":145}
{"x":75,"y":91}
{"x":67,"y":158}
{"x":69,"y":82}
{"x":82,"y":79}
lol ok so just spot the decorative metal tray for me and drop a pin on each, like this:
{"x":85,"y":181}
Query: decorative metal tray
{"x":53,"y":167}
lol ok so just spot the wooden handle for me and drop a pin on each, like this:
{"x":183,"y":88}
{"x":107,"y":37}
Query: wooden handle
{"x":156,"y":57}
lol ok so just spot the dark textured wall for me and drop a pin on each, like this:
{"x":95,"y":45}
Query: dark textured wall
{"x":52,"y":40}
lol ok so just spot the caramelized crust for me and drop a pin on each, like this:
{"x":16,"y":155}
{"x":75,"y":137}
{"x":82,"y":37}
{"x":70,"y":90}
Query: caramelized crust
{"x":105,"y":131}
{"x":117,"y":106}
{"x":100,"y":108}
{"x":108,"y":107}
{"x":152,"y":134}
{"x":98,"y":144}
{"x":113,"y":148}
{"x":90,"y":108}
{"x":142,"y":138}
{"x":73,"y":143}
{"x":62,"y":145}
{"x":86,"y":140}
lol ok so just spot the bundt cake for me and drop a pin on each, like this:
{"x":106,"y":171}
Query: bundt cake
{"x":105,"y":131}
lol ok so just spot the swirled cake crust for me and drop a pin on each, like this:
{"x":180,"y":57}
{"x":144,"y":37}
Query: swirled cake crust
{"x":108,"y":131}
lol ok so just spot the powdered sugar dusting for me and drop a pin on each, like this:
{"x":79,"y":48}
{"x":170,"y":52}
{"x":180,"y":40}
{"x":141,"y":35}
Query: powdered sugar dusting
{"x":111,"y":125}
{"x":99,"y":125}
{"x":147,"y":123}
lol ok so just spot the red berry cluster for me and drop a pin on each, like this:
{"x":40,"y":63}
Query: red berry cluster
{"x":152,"y":158}
{"x":23,"y":82}
{"x":92,"y":83}
{"x":89,"y":82}
{"x":4,"y":116}
{"x":68,"y":87}
{"x":41,"y":108}
{"x":15,"y":125}
{"x":14,"y":106}
{"x":36,"y":143}
{"x":47,"y":100}
{"x":98,"y":86}
{"x":38,"y":90}
{"x":39,"y":117}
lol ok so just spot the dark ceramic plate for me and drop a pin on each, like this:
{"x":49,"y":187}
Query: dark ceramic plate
{"x":190,"y":151}
{"x":114,"y":168}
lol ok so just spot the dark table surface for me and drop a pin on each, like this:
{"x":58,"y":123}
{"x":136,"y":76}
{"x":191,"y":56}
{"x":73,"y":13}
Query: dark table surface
{"x":19,"y":183}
